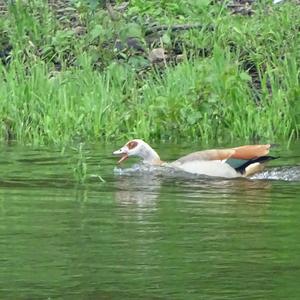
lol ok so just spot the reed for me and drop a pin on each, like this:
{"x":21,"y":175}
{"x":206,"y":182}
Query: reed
{"x":80,"y":167}
{"x":240,"y":81}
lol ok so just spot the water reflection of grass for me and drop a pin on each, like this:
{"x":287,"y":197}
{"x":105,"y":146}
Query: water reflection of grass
{"x":244,"y":83}
{"x":80,"y":169}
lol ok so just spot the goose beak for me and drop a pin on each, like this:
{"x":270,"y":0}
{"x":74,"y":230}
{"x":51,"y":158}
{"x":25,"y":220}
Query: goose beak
{"x":121,"y":152}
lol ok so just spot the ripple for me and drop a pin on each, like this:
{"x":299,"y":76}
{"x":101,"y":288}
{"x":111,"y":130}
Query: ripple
{"x":280,"y":173}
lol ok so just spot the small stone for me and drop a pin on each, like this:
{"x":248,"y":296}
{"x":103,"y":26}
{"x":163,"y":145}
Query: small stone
{"x":157,"y":55}
{"x":79,"y":30}
{"x":180,"y":58}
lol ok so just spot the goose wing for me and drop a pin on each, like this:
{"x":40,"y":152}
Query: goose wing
{"x":239,"y":153}
{"x":231,"y":162}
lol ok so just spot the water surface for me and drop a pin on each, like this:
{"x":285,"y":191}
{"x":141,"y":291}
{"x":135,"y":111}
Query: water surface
{"x":145,"y":235}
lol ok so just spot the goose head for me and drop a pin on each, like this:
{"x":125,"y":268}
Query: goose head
{"x":140,"y":149}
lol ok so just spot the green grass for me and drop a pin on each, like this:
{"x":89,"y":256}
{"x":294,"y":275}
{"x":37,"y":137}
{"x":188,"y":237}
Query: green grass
{"x":239,"y":81}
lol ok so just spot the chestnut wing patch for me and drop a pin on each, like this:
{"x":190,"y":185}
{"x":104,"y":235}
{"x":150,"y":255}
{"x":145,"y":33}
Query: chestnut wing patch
{"x":251,"y":151}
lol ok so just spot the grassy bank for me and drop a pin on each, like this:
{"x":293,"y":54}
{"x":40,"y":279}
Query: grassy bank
{"x":238,"y":76}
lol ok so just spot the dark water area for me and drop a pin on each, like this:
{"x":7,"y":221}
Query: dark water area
{"x":146,"y":234}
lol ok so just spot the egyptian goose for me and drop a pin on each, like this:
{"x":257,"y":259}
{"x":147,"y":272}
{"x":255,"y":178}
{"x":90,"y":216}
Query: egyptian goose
{"x":241,"y":161}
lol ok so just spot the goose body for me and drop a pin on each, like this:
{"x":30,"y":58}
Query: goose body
{"x":229,"y":163}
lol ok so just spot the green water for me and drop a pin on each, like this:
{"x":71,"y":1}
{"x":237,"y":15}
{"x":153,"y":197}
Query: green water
{"x":145,"y":235}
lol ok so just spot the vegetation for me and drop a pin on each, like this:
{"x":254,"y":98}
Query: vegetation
{"x":90,"y":76}
{"x":80,"y":166}
{"x":80,"y":169}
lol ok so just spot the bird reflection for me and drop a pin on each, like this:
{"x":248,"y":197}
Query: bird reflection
{"x":139,"y":189}
{"x":142,"y":187}
{"x":224,"y":188}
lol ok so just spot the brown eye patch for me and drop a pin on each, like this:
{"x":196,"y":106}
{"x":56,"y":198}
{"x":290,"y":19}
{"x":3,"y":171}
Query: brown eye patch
{"x":132,"y":145}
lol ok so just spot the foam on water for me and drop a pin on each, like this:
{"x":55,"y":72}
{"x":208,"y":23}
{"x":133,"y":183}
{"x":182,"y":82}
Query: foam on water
{"x":279,"y":173}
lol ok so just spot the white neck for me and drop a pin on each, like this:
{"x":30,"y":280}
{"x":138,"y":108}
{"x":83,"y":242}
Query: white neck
{"x":149,"y":155}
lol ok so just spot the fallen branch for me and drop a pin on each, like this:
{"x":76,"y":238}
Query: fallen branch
{"x":180,"y":27}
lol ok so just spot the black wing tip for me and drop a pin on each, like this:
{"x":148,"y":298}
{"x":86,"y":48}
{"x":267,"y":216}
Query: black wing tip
{"x":261,"y":159}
